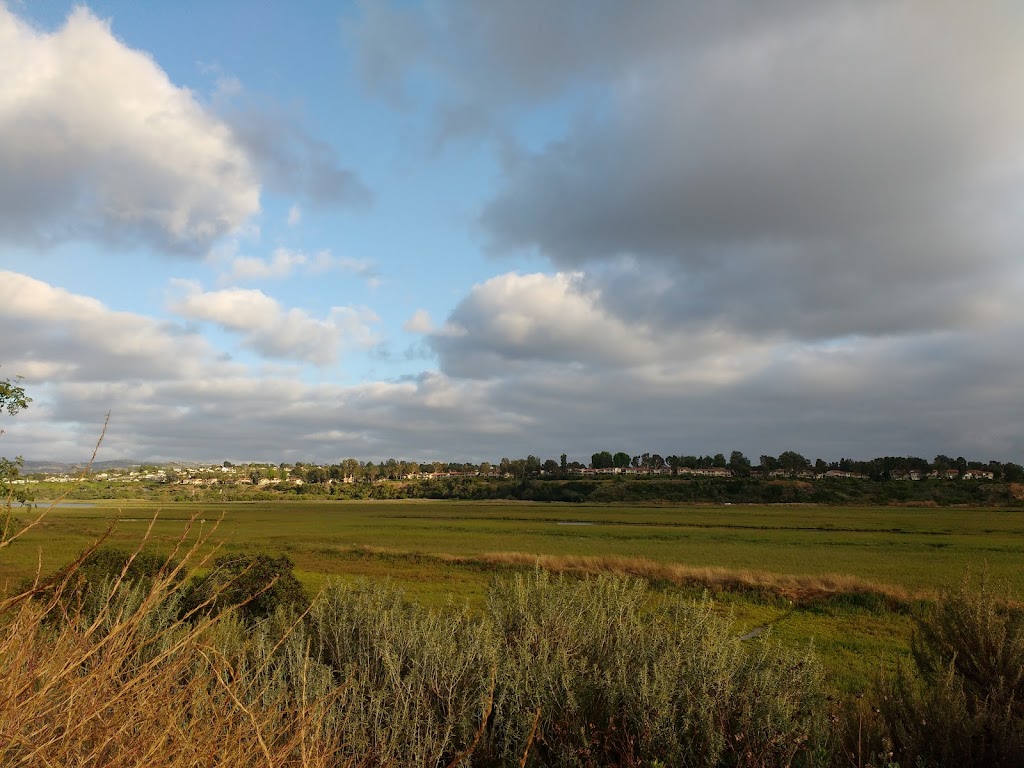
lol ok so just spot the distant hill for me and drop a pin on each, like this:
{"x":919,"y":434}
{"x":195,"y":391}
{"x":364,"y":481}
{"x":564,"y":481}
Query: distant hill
{"x":56,"y":467}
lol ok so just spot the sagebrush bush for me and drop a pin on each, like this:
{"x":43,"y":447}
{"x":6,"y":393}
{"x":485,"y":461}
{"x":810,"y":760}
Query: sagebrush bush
{"x":418,"y":683}
{"x":963,"y":702}
{"x":622,"y":676}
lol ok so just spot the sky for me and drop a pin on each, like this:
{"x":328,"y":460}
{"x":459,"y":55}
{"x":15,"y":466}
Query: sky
{"x":466,"y":230}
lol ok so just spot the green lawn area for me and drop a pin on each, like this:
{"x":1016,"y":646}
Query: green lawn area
{"x":917,"y":549}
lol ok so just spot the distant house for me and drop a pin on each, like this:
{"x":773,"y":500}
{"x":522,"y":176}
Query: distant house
{"x":840,"y":473}
{"x":978,"y":474}
{"x":913,"y":474}
{"x":706,"y":471}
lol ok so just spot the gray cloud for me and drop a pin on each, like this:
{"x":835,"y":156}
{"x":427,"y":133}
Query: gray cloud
{"x":808,"y":170}
{"x":291,"y":161}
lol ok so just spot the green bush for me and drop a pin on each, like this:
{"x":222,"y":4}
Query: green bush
{"x":622,"y":677}
{"x":567,"y":672}
{"x":963,"y":703}
{"x":256,"y":585}
{"x":418,"y":683}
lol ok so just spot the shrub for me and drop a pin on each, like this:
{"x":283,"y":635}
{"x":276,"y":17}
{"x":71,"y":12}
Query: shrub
{"x":963,"y":703}
{"x":603,"y":672}
{"x":255,"y":585}
{"x":418,"y":683}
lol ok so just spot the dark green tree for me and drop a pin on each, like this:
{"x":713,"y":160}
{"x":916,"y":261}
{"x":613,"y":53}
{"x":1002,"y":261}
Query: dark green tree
{"x":257,"y":585}
{"x":738,"y":463}
{"x":793,"y":461}
{"x":1013,"y":473}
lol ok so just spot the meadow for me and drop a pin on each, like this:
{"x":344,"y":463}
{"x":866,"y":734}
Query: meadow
{"x":844,"y":579}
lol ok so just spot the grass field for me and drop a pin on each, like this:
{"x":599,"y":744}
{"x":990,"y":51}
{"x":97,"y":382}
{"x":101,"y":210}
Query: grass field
{"x":826,"y":558}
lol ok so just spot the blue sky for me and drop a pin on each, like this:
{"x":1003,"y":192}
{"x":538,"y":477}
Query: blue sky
{"x":464,"y":230}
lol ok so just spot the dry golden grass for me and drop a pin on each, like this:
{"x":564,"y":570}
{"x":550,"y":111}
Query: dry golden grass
{"x":131,"y":684}
{"x":801,"y":589}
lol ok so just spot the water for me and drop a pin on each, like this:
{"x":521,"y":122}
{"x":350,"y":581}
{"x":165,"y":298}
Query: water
{"x":60,"y":504}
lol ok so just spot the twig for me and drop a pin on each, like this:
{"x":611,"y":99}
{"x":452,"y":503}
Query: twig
{"x":529,"y":741}
{"x":483,"y":724}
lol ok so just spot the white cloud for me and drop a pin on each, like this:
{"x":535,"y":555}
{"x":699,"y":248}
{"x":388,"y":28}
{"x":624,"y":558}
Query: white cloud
{"x":814,"y":170}
{"x":272,"y":330}
{"x":420,"y":322}
{"x":280,"y":265}
{"x":284,"y":263}
{"x":512,"y":322}
{"x":294,"y":215}
{"x":67,"y":336}
{"x":96,"y":142}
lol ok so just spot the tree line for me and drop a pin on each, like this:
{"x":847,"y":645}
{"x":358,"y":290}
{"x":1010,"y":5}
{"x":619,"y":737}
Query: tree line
{"x":878,"y":469}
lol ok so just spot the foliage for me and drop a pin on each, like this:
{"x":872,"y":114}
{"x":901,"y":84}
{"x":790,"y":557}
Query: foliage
{"x":12,"y":396}
{"x":964,"y":702}
{"x":255,"y":585}
{"x":597,"y":676}
{"x":84,"y":586}
{"x":555,"y":672}
{"x":12,"y":399}
{"x":418,"y":682}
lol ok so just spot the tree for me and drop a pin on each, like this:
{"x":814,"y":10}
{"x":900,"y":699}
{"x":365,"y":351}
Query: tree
{"x":1013,"y":473}
{"x":531,"y":466}
{"x":738,"y":463}
{"x":793,"y":461}
{"x":12,"y":399}
{"x":12,"y":396}
{"x":256,"y":583}
{"x":602,"y":460}
{"x":620,"y":460}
